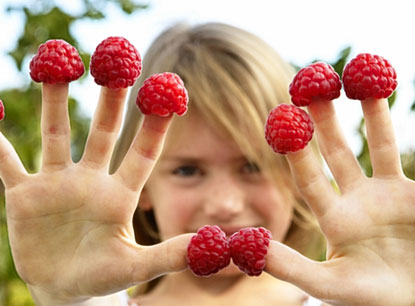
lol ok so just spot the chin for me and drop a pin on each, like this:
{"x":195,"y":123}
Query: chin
{"x":230,"y":271}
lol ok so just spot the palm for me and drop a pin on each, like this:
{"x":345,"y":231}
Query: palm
{"x":368,"y":238}
{"x":70,"y":225}
{"x":71,"y":218}
{"x":368,"y":224}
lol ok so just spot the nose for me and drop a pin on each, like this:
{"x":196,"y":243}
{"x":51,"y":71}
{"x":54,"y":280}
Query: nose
{"x":225,"y":199}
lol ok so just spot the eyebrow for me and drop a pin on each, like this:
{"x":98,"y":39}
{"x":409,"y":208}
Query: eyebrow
{"x":194,"y":160}
{"x":182,"y":159}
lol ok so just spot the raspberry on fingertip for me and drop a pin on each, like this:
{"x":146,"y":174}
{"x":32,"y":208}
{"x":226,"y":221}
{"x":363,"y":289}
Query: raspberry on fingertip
{"x":56,"y":61}
{"x":115,"y":63}
{"x":316,"y":81}
{"x":369,"y":76}
{"x":288,"y":129}
{"x":163,"y":94}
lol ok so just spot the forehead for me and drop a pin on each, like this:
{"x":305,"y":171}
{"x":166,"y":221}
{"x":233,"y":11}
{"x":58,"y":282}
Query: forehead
{"x":192,"y":136}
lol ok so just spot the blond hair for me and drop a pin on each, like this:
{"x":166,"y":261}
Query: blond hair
{"x":234,"y":79}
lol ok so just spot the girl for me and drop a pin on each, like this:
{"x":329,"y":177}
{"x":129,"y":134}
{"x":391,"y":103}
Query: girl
{"x":72,"y":231}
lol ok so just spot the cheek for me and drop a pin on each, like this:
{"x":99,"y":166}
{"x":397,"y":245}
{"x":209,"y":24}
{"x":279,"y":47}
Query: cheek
{"x":173,"y":212}
{"x":276,"y":211}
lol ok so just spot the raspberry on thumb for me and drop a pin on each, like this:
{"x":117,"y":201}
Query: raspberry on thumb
{"x":249,"y":247}
{"x":208,"y":251}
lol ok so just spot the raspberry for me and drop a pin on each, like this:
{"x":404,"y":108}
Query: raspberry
{"x":369,"y":76}
{"x":288,"y":128}
{"x":56,"y":61}
{"x":208,"y":251}
{"x":249,"y":247}
{"x":316,"y":81}
{"x":163,"y":94}
{"x":1,"y":110}
{"x":115,"y":63}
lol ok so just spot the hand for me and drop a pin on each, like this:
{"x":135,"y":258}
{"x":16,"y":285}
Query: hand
{"x":369,"y":225}
{"x":70,"y":225}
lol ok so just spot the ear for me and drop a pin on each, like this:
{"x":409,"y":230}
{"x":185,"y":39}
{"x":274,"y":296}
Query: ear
{"x":144,"y":202}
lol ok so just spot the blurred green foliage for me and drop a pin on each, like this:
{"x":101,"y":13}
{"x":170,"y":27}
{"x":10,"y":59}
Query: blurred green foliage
{"x":43,"y":20}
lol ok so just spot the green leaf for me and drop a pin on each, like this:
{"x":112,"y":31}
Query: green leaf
{"x":339,"y":64}
{"x":40,"y":27}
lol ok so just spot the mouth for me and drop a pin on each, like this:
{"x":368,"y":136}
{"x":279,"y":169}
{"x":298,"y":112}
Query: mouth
{"x":231,"y":229}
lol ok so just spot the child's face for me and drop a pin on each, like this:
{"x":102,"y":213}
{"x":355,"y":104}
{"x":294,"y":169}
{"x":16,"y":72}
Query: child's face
{"x":203,"y":178}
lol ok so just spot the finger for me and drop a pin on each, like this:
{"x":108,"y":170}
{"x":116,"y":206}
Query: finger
{"x":55,"y":126}
{"x":104,"y":127}
{"x":166,"y":257}
{"x":288,"y":265}
{"x":129,"y":264}
{"x":144,"y":151}
{"x":311,"y":180}
{"x":12,"y":170}
{"x":383,"y":150}
{"x":339,"y":157}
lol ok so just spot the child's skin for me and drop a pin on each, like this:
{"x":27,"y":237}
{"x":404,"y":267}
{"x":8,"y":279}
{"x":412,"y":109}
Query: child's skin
{"x":70,"y":225}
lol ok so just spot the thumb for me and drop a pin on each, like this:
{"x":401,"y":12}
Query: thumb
{"x":166,"y":257}
{"x":289,"y":265}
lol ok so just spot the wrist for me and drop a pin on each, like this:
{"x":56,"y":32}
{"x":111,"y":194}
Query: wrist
{"x":43,"y":299}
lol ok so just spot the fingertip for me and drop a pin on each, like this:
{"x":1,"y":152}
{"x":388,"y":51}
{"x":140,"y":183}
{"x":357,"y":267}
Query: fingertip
{"x":114,"y":94}
{"x":279,"y":260}
{"x":321,"y":109}
{"x":297,"y":156}
{"x":168,"y":256}
{"x":53,"y":94}
{"x":289,"y":265}
{"x":54,"y":86}
{"x":157,"y":123}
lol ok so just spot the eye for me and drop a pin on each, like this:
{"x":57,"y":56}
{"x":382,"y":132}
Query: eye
{"x":251,"y":167}
{"x":186,"y":171}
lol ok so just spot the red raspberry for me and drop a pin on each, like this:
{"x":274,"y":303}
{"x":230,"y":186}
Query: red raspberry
{"x":56,"y":61}
{"x":208,"y":251}
{"x":288,"y":128}
{"x":115,"y":63}
{"x":163,"y":94}
{"x":1,"y":110}
{"x":316,"y":81}
{"x":249,"y":247}
{"x":369,"y":76}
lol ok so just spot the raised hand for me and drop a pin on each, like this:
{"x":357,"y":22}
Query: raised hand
{"x":369,"y":224}
{"x":70,"y":224}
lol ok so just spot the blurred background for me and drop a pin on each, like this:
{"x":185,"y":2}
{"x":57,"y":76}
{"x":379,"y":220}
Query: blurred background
{"x":301,"y":31}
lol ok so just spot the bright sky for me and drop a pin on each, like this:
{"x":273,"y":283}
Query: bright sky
{"x":300,"y":31}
